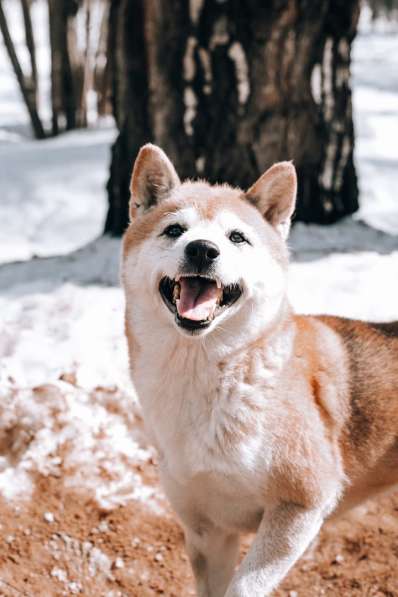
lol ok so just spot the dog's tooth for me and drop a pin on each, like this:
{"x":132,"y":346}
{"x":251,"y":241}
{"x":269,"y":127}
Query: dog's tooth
{"x":176,"y":291}
{"x":220,"y":293}
{"x":218,"y":282}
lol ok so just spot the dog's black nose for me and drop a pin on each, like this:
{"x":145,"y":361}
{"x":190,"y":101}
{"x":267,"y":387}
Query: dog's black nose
{"x":201,"y":253}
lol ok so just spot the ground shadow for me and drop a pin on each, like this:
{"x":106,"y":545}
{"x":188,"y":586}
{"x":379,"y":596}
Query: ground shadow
{"x":98,"y":262}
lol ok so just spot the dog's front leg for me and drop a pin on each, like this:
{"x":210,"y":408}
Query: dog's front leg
{"x":284,"y":534}
{"x":213,"y":555}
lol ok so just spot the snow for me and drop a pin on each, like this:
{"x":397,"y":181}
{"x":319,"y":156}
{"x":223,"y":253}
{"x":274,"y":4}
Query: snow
{"x":375,"y":99}
{"x":93,"y":439}
{"x":64,"y":181}
{"x":53,"y":192}
{"x":92,"y":561}
{"x":362,"y":286}
{"x":50,"y":329}
{"x":66,"y":403}
{"x":13,"y":114}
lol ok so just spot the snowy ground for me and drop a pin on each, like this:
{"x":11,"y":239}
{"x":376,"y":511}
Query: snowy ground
{"x":52,"y":193}
{"x":375,"y":98}
{"x":62,"y":315}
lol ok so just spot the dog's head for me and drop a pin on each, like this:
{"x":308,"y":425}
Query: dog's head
{"x":202,"y":259}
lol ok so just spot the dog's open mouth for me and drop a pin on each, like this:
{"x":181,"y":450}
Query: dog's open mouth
{"x":197,"y":300}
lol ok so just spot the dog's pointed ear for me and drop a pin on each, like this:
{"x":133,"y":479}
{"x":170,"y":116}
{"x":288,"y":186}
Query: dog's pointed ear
{"x":153,"y":179}
{"x":274,"y":194}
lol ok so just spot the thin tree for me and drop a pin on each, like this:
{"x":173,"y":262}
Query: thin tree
{"x":102,"y":78}
{"x":27,"y":84}
{"x":30,"y":44}
{"x":67,"y":67}
{"x":87,"y":62}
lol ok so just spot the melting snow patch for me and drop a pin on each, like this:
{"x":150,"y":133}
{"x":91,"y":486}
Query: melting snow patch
{"x":59,"y":574}
{"x":99,"y":563}
{"x":93,"y":438}
{"x":48,"y":517}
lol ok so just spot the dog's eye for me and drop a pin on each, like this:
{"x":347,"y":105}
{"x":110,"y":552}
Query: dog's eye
{"x":173,"y":231}
{"x":237,"y":237}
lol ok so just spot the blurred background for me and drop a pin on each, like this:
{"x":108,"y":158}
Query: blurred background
{"x":226,"y":88}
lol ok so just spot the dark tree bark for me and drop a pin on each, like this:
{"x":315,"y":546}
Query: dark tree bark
{"x":88,"y":63}
{"x":26,"y":84}
{"x":30,"y":44}
{"x":229,"y":88}
{"x":101,"y":74}
{"x":68,"y":92}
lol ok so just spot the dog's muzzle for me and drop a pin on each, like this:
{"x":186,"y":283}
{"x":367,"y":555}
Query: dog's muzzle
{"x":197,"y":300}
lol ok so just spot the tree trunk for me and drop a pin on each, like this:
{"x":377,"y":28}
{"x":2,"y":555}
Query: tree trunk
{"x":31,"y":46}
{"x":102,"y":78}
{"x":67,"y":67}
{"x":127,"y":59}
{"x":87,"y":82}
{"x":228,"y":88}
{"x":28,"y":90}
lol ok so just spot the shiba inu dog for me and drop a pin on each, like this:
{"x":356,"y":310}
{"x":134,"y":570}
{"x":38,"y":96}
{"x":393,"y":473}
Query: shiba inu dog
{"x":264,"y":420}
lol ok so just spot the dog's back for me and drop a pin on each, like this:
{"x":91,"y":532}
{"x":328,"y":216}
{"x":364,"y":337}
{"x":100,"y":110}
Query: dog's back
{"x":389,"y":329}
{"x":370,"y":439}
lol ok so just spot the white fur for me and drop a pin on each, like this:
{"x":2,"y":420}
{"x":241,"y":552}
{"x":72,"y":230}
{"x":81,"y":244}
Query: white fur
{"x":190,"y":406}
{"x":263,"y":278}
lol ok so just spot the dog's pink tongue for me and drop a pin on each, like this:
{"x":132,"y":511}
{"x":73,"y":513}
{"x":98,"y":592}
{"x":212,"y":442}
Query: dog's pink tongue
{"x":198,"y":299}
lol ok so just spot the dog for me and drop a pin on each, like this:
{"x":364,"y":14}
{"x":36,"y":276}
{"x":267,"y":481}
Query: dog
{"x":264,"y":421}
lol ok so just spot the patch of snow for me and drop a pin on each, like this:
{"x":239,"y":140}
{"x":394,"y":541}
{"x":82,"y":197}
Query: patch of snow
{"x":94,"y":439}
{"x":49,"y":320}
{"x":13,"y":114}
{"x":375,"y":111}
{"x":103,"y":527}
{"x":67,"y":323}
{"x":360,"y":285}
{"x":119,"y":563}
{"x":99,"y":562}
{"x":53,"y":191}
{"x":59,"y":574}
{"x":74,"y":587}
{"x":81,"y":559}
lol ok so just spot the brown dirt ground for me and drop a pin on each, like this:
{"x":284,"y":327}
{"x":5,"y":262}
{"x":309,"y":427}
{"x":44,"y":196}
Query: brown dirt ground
{"x":67,"y":555}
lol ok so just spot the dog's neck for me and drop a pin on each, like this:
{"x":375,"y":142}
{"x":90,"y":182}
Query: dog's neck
{"x":167,"y":349}
{"x":179,"y":377}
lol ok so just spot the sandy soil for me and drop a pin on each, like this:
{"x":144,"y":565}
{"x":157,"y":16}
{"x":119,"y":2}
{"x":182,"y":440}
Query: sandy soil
{"x":60,"y":542}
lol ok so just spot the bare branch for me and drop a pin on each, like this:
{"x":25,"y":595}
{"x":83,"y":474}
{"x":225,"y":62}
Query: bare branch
{"x":26,"y":89}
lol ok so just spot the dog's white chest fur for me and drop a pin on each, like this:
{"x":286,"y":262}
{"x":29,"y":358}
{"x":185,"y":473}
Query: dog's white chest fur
{"x":192,"y":411}
{"x":198,"y":413}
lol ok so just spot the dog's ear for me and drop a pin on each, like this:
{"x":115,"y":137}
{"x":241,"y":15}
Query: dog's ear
{"x":274,"y":194}
{"x":153,"y":179}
